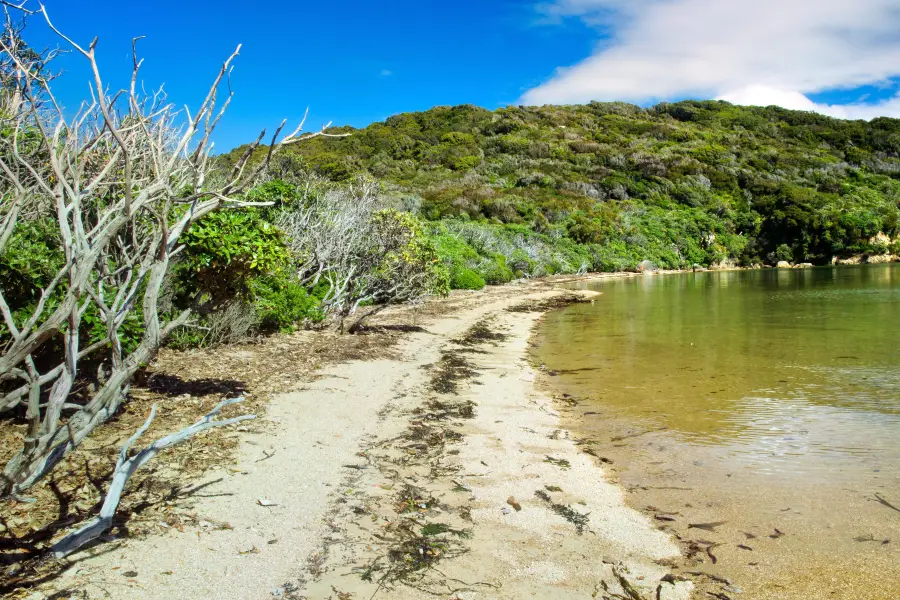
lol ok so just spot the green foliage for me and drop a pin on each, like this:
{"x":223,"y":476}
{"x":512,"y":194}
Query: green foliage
{"x":585,"y":230}
{"x":31,"y":260}
{"x":238,"y":264}
{"x":677,"y":184}
{"x":228,"y":248}
{"x":282,"y":304}
{"x":404,"y":255}
{"x":783,"y":253}
{"x":277,"y":192}
{"x":130,"y":333}
{"x":495,"y":271}
{"x":466,"y":279}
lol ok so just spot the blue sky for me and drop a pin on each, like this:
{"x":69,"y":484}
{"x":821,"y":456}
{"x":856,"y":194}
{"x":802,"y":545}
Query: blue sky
{"x":359,"y":62}
{"x":350,"y":62}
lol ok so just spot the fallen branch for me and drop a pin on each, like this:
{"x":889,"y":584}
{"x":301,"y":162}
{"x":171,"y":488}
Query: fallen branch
{"x":125,"y":468}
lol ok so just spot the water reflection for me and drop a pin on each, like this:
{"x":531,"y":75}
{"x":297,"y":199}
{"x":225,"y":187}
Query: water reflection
{"x":787,"y":370}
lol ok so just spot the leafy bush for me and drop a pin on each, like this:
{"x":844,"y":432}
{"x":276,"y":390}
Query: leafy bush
{"x":405,"y":263}
{"x":466,"y":279}
{"x":495,"y":270}
{"x":30,"y":261}
{"x":226,"y":249}
{"x":282,"y":304}
{"x":783,"y":253}
{"x":238,"y":264}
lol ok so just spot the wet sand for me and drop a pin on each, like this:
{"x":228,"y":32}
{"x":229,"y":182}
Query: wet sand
{"x":780,"y":539}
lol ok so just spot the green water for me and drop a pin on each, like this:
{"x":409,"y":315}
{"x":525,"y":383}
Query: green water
{"x":787,"y":372}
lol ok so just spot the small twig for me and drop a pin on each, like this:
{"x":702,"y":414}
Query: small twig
{"x":634,"y":435}
{"x":881,"y":500}
{"x":266,"y":456}
{"x":381,"y":583}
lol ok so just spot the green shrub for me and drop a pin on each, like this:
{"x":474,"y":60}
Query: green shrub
{"x":585,"y":230}
{"x":402,"y":253}
{"x":227,"y":249}
{"x":31,"y":260}
{"x":783,"y":253}
{"x":452,"y":250}
{"x":278,"y":192}
{"x":282,"y":304}
{"x":185,"y":338}
{"x":466,"y":279}
{"x":495,"y":271}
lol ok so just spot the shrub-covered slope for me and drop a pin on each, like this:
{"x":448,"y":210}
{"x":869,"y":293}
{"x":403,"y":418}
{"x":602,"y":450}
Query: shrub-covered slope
{"x":605,"y":186}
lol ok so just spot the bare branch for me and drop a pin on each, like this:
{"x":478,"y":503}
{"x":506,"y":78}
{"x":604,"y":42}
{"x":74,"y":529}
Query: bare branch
{"x":126,"y":467}
{"x":112,"y":180}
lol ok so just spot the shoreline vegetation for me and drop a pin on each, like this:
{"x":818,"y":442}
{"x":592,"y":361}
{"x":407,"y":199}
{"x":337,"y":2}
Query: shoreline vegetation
{"x":143,"y":280}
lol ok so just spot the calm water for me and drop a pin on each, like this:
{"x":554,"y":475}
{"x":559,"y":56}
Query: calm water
{"x":792,"y":371}
{"x":774,"y":395}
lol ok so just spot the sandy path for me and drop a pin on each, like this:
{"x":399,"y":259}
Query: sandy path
{"x":309,"y":541}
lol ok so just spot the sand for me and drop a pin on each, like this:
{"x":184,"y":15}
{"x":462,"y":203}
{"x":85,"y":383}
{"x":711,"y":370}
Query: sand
{"x":443,"y":472}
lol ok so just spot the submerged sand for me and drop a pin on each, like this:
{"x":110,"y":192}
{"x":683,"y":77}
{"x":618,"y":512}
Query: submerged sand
{"x":440,"y":472}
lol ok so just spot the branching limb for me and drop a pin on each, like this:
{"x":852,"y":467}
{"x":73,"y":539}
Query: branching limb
{"x":126,"y":467}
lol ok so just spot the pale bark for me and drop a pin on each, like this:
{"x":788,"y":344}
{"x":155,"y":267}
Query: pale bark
{"x":122,"y":180}
{"x":126,"y":467}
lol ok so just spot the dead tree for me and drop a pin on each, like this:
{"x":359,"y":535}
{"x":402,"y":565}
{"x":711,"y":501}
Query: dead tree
{"x":368,"y":255}
{"x":122,"y":181}
{"x":327,"y":230}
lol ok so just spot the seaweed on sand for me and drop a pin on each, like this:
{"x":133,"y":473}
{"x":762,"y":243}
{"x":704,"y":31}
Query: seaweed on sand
{"x":449,"y":371}
{"x":579,"y":520}
{"x":416,"y":545}
{"x":553,"y":303}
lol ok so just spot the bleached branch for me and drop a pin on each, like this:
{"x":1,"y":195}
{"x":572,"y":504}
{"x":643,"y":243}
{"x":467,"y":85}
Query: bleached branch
{"x":126,"y":467}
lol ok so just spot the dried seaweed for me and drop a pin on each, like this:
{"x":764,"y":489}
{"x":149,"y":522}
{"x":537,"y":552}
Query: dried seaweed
{"x":579,"y":520}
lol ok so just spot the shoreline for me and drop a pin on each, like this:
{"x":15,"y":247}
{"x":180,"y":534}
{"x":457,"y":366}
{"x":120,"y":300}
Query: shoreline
{"x":440,"y":471}
{"x":750,"y":516}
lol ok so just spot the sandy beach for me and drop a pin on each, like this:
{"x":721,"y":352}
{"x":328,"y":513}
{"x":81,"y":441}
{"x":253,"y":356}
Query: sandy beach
{"x":438,"y":471}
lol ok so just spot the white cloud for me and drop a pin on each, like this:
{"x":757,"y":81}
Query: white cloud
{"x":386,"y":73}
{"x":747,"y":52}
{"x":760,"y":95}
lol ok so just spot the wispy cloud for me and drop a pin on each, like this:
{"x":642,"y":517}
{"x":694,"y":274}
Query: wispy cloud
{"x":745,"y":51}
{"x":386,"y":73}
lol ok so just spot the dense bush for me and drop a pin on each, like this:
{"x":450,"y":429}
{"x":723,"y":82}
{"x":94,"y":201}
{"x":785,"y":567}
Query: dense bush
{"x":31,"y":260}
{"x":405,"y":261}
{"x":319,"y":250}
{"x":496,"y":271}
{"x":227,"y":249}
{"x":677,"y":184}
{"x":282,"y":304}
{"x":462,"y":278}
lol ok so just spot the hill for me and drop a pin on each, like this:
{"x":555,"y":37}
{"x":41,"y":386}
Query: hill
{"x":605,"y":186}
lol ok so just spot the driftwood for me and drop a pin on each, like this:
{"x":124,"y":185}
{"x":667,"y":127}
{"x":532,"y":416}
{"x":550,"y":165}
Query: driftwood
{"x":126,"y":467}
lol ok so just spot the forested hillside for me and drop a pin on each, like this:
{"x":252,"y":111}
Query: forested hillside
{"x":605,"y":186}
